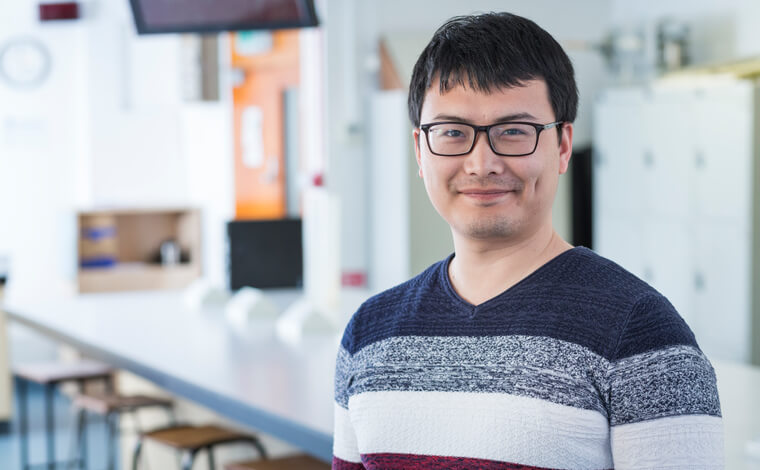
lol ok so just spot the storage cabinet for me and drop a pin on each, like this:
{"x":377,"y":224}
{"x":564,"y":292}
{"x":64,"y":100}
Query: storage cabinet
{"x":122,"y":249}
{"x":675,"y":191}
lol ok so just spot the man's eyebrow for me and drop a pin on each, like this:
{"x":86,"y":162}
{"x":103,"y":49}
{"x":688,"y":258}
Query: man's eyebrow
{"x":507,"y":117}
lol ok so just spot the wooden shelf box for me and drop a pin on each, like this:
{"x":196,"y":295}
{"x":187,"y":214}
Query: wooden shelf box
{"x":121,"y":249}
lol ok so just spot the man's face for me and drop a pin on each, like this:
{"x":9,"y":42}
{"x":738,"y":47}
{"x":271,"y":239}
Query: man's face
{"x":483,"y":195}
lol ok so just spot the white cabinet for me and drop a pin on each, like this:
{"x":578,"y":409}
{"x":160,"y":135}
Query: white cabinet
{"x":618,"y":157}
{"x":674,"y":174}
{"x":666,"y":258}
{"x":722,"y":289}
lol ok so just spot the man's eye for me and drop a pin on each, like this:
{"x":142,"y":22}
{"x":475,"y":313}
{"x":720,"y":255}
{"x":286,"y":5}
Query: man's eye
{"x":513,"y":131}
{"x":452,"y":133}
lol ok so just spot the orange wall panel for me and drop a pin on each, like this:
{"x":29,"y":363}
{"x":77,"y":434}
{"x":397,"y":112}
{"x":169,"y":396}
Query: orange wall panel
{"x":259,"y":192}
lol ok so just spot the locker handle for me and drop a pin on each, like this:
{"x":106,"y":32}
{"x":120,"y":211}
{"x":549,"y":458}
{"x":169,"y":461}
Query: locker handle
{"x":699,"y":160}
{"x":648,"y":159}
{"x":699,"y":282}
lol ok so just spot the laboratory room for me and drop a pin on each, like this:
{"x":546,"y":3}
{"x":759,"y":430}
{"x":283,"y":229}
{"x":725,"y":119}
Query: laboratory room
{"x":268,"y":234}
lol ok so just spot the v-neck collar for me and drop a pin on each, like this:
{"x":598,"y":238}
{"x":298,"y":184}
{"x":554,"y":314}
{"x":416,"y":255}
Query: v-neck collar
{"x":474,"y":309}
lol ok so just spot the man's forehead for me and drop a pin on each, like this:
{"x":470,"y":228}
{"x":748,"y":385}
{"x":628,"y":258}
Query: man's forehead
{"x":530,"y":97}
{"x":463,"y":83}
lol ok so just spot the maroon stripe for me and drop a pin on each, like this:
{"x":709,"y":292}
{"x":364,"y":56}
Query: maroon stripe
{"x":419,"y":462}
{"x":338,"y":464}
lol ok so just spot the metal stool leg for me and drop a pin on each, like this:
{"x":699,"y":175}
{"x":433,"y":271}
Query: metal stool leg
{"x":112,"y":420}
{"x":255,"y":442}
{"x":50,"y":425}
{"x":81,"y":437}
{"x":173,"y":422}
{"x":23,"y":387}
{"x":187,"y":460}
{"x":109,"y":384}
{"x":210,"y":452}
{"x":171,"y":415}
{"x":136,"y":453}
{"x":82,"y":430}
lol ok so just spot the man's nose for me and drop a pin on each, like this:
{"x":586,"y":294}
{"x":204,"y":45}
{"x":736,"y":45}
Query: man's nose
{"x":482,"y":161}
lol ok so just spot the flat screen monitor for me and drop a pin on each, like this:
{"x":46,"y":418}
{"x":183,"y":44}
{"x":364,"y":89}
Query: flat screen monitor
{"x":265,"y":253}
{"x":205,"y":16}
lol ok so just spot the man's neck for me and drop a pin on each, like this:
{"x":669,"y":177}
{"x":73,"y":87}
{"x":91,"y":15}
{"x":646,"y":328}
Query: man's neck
{"x":482,"y":270}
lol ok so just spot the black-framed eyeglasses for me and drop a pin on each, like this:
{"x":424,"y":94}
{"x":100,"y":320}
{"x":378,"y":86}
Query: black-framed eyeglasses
{"x":508,"y":139}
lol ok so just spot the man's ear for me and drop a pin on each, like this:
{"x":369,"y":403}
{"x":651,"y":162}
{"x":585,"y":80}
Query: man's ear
{"x":416,"y":136}
{"x":565,"y":147}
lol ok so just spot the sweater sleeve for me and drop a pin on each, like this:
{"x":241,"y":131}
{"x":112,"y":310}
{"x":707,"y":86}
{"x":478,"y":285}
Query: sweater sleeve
{"x":345,"y":449}
{"x":663,"y":401}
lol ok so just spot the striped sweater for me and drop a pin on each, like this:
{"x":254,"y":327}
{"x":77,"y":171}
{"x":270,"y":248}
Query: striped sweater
{"x":580,"y":365}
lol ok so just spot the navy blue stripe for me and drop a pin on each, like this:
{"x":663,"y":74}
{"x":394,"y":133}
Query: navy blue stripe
{"x":578,"y":297}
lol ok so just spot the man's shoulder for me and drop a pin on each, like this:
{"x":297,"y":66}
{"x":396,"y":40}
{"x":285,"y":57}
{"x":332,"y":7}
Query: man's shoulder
{"x":649,"y":320}
{"x":602,"y":278}
{"x":377,"y":316}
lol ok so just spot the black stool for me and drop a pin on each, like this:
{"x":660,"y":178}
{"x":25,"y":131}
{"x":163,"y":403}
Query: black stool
{"x":49,"y":375}
{"x":111,"y":407}
{"x":192,"y":439}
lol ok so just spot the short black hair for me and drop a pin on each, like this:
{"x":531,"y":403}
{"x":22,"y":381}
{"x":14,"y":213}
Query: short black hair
{"x":494,"y":50}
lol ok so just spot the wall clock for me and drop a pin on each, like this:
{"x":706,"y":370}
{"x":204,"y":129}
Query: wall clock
{"x":24,"y":62}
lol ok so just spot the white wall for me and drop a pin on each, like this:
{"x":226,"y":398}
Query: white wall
{"x":41,"y":147}
{"x":134,"y":104}
{"x":109,"y":127}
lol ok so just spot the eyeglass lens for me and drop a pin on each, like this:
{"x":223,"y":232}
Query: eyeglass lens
{"x":508,"y":138}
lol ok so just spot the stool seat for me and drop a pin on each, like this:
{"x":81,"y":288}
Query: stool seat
{"x":105,"y":404}
{"x":195,"y":437}
{"x":297,"y":462}
{"x":51,"y":373}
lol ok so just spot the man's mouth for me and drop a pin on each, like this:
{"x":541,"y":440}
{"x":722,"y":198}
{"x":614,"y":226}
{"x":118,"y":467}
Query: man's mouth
{"x":485,"y":194}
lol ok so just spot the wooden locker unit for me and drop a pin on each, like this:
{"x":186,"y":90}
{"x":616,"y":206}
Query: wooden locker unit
{"x":676,"y":201}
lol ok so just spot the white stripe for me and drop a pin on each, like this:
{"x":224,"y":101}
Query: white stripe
{"x":344,"y":441}
{"x":493,"y":426}
{"x":690,"y":442}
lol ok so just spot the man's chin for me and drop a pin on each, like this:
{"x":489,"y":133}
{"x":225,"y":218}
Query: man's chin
{"x":494,"y":228}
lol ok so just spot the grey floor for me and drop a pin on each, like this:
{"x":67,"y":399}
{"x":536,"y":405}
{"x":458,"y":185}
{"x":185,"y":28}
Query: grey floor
{"x":64,"y":419}
{"x":25,"y":346}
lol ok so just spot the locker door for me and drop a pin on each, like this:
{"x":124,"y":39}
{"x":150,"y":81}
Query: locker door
{"x":721,"y":168}
{"x":619,"y":123}
{"x":722,"y":290}
{"x":618,"y":237}
{"x":665,"y":157}
{"x":666,"y":258}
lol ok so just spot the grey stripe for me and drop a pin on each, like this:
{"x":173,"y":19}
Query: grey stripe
{"x":531,"y":366}
{"x":342,"y":377}
{"x":668,"y":382}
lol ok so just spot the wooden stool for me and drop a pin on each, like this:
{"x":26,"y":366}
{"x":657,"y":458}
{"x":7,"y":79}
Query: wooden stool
{"x":297,"y":462}
{"x":112,"y":406}
{"x":49,"y":375}
{"x":192,"y":439}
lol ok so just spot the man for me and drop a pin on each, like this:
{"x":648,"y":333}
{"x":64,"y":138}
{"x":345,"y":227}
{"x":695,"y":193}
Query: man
{"x":519,"y":350}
